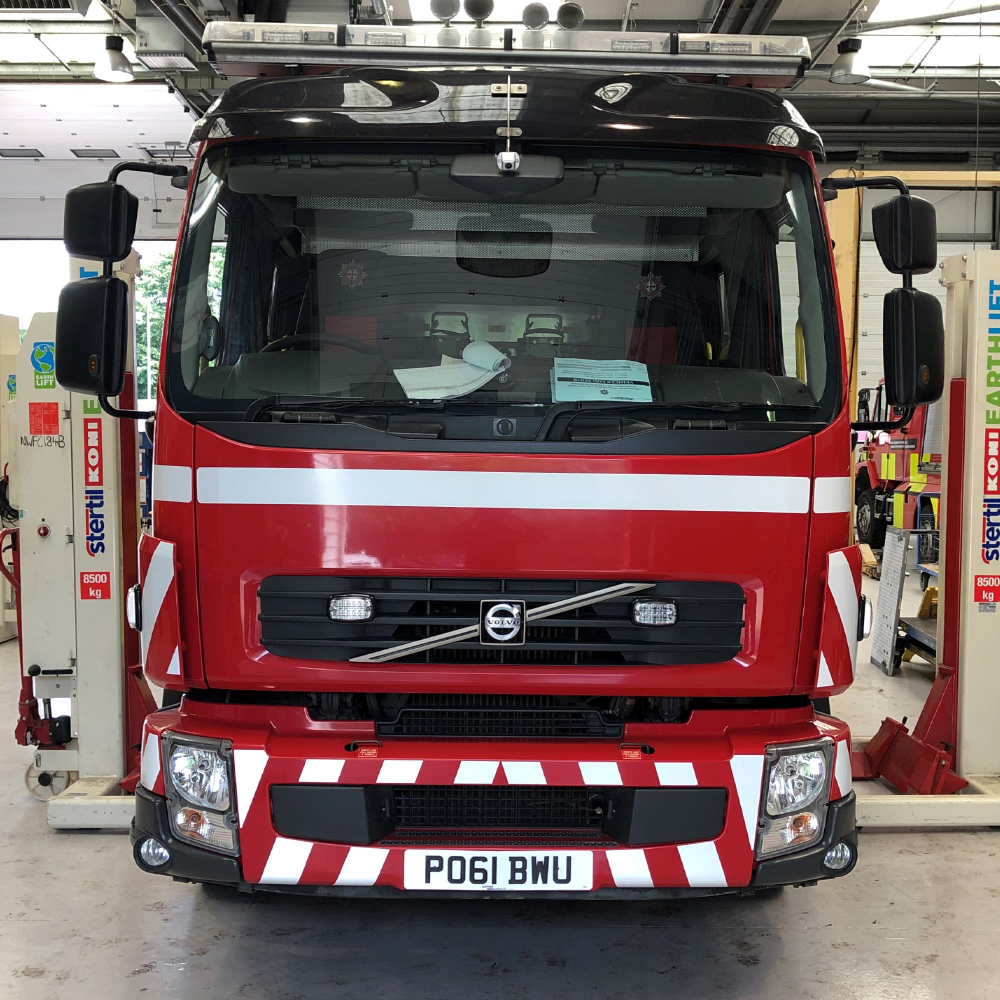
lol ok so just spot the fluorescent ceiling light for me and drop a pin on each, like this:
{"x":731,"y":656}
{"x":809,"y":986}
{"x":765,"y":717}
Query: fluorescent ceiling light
{"x":168,"y":152}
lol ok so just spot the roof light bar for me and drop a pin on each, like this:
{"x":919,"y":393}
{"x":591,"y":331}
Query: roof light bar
{"x":242,"y":49}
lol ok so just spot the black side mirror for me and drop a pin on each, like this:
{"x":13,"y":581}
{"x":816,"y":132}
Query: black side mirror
{"x":905,"y":231}
{"x":99,"y":221}
{"x":91,"y":336}
{"x":912,"y":347}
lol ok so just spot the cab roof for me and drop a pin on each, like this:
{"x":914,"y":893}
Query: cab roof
{"x":465,"y":105}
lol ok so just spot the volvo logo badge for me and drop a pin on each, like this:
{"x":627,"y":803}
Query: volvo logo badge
{"x":502,"y":623}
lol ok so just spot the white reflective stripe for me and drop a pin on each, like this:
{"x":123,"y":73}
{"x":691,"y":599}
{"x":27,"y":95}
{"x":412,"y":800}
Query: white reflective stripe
{"x":504,"y":490}
{"x":840,"y":580}
{"x":321,"y":771}
{"x":842,"y":766}
{"x":398,"y":772}
{"x":748,"y":772}
{"x":172,"y":482}
{"x":248,"y":765}
{"x":174,"y":667}
{"x":675,"y":773}
{"x":149,"y":762}
{"x":824,"y":678}
{"x":629,"y":868}
{"x":476,"y":772}
{"x":702,"y":866}
{"x":155,"y":584}
{"x":524,"y":772}
{"x":287,"y":861}
{"x":832,"y":495}
{"x":362,"y":866}
{"x":600,"y":772}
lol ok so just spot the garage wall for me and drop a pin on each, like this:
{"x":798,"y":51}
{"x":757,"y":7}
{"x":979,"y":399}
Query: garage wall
{"x":32,"y":194}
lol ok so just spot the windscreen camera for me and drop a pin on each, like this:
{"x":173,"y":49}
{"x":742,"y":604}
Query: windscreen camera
{"x":508,"y":162}
{"x":504,"y":427}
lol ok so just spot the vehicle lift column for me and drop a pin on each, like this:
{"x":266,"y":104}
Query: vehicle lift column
{"x":76,"y":489}
{"x":958,"y":726}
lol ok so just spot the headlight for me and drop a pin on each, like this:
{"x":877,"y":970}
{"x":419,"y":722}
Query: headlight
{"x":198,"y":779}
{"x":793,"y":810}
{"x":201,"y":776}
{"x":796,"y":781}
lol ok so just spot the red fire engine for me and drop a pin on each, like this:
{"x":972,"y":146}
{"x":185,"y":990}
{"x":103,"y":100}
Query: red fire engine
{"x":898,"y":474}
{"x":501,"y":493}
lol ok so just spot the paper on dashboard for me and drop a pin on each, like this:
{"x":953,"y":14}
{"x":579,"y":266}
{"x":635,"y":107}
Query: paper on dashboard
{"x":582,"y":379}
{"x":479,"y":363}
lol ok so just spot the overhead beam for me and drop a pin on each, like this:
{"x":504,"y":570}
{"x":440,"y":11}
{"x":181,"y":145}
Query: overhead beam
{"x":930,"y":18}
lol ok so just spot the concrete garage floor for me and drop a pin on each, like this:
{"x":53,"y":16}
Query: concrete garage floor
{"x":919,"y":918}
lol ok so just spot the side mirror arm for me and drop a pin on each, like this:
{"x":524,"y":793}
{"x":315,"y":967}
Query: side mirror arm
{"x":831,"y":185}
{"x":885,"y":425}
{"x":113,"y":411}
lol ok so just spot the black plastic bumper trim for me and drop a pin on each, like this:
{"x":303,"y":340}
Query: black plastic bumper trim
{"x":186,"y":861}
{"x":807,"y":866}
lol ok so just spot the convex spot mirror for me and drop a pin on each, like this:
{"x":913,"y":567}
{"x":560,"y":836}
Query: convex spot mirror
{"x":91,"y":336}
{"x":905,"y":231}
{"x":912,"y":347}
{"x":99,"y":221}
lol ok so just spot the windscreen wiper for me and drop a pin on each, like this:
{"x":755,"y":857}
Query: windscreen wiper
{"x":333,"y":404}
{"x":572,"y":410}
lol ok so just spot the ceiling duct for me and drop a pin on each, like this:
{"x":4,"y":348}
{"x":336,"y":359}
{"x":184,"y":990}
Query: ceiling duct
{"x":304,"y":11}
{"x":183,"y":17}
{"x":159,"y":45}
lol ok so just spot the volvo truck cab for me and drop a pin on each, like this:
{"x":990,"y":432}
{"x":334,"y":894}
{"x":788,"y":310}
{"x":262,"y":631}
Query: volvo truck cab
{"x":502,"y":469}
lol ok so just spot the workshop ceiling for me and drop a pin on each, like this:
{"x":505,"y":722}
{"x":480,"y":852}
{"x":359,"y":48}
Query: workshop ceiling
{"x":934,"y":92}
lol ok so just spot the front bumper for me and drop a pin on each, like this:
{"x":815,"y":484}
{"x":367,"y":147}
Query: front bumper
{"x":296,"y":780}
{"x":193,"y":864}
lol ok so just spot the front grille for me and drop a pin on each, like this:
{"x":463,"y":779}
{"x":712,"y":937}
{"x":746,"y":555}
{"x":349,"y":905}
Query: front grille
{"x":498,"y":716}
{"x":497,"y":815}
{"x":486,"y":807}
{"x":294,"y":621}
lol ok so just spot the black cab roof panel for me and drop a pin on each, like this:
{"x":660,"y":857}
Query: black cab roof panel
{"x":462,"y":105}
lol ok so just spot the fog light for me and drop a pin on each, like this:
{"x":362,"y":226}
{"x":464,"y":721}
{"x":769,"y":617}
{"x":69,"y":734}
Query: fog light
{"x":351,"y":608}
{"x":654,"y":612}
{"x":153,"y":853}
{"x":838,"y":857}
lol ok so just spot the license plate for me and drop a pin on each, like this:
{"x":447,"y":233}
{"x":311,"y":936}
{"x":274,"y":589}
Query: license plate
{"x":499,"y":871}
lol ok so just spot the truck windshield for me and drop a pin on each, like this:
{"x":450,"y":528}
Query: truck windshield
{"x":669,"y":277}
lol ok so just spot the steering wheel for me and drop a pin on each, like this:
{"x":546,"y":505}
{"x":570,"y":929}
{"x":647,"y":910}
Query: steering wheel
{"x":303,"y":339}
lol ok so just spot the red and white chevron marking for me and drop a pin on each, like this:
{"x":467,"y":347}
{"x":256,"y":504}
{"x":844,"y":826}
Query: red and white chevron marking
{"x":271,"y":859}
{"x":838,"y":639}
{"x":263,"y":757}
{"x":160,"y":635}
{"x":150,"y":764}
